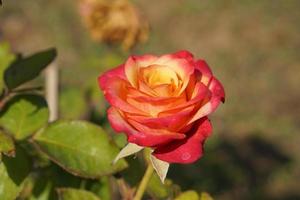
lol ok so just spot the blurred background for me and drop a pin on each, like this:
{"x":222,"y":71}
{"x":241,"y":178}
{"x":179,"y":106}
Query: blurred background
{"x":252,"y":47}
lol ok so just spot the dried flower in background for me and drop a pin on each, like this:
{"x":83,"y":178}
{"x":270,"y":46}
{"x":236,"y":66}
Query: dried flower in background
{"x":116,"y":21}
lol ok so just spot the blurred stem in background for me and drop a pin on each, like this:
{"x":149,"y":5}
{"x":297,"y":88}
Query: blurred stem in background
{"x":52,"y":90}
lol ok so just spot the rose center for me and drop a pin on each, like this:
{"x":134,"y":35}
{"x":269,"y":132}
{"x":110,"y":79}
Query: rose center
{"x":156,"y":75}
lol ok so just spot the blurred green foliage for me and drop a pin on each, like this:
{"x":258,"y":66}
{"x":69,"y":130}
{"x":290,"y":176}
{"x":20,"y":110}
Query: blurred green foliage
{"x":71,"y":98}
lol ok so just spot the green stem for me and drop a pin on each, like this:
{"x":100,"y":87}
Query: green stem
{"x":143,"y":185}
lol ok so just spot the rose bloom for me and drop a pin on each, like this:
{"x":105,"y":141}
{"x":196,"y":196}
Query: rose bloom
{"x":162,"y":102}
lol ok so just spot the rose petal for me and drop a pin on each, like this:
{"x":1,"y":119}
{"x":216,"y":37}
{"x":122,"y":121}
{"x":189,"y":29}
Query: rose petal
{"x":145,"y":97}
{"x":118,"y":123}
{"x":163,"y":90}
{"x":184,"y":54}
{"x":146,"y":107}
{"x":217,"y":89}
{"x":133,"y":64}
{"x":218,"y":95}
{"x":143,"y":87}
{"x":187,"y":150}
{"x":158,"y":74}
{"x":153,"y":105}
{"x":116,"y":72}
{"x":172,"y":122}
{"x":200,"y":93}
{"x":206,"y":73}
{"x":203,"y":67}
{"x":145,"y":139}
{"x":115,"y":91}
{"x":182,"y":67}
{"x":161,"y":135}
{"x":131,"y":71}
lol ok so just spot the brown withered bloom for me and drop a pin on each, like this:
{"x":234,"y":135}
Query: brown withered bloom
{"x":114,"y":21}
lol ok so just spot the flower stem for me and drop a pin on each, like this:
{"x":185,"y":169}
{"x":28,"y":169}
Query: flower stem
{"x":142,"y":187}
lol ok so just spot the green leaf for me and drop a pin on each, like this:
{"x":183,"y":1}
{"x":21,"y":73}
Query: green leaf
{"x":13,"y":172}
{"x":5,"y":59}
{"x":188,"y":195}
{"x":80,"y":147}
{"x":71,"y":98}
{"x":26,"y":69}
{"x":75,"y":194}
{"x":23,"y":115}
{"x":6,"y":145}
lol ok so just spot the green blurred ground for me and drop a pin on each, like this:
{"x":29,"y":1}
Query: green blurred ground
{"x":252,"y":47}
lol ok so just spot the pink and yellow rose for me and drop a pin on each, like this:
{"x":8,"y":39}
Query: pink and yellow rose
{"x":163,"y":102}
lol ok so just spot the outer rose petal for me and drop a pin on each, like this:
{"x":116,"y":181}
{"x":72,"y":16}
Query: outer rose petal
{"x":217,"y":89}
{"x":206,"y":73}
{"x":203,"y":67}
{"x":184,"y":54}
{"x":148,"y":139}
{"x":116,"y":72}
{"x":189,"y":149}
{"x":218,"y":95}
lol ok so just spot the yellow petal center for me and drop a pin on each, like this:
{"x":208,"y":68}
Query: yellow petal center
{"x":155,"y":75}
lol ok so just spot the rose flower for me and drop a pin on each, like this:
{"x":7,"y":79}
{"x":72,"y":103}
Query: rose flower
{"x":163,"y":103}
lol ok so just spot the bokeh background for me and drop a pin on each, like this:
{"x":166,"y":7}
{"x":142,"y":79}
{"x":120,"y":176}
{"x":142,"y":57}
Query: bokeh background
{"x":252,"y":47}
